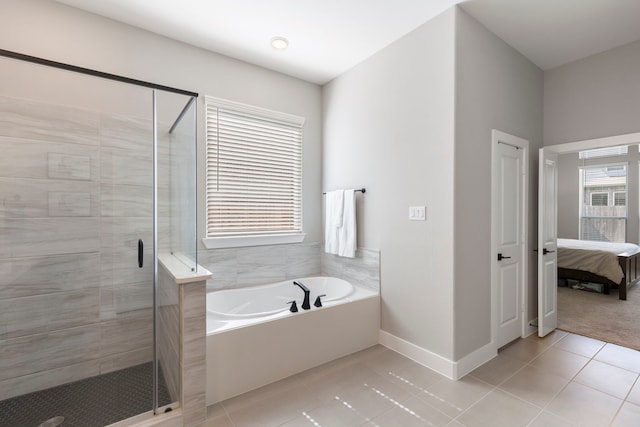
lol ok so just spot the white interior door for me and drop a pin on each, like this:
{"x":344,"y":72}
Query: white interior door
{"x":509,"y":188}
{"x":547,"y":243}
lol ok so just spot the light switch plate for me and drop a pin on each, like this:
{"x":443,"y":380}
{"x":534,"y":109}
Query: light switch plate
{"x":417,"y":213}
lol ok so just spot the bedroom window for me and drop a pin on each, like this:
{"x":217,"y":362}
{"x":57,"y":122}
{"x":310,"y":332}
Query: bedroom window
{"x":253,"y":175}
{"x":619,"y":198}
{"x":599,"y":199}
{"x":596,"y":153}
{"x":603,"y":204}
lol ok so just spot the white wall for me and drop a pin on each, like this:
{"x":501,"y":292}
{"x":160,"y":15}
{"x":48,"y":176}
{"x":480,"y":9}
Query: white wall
{"x":54,"y":31}
{"x":496,"y":88}
{"x":388,"y":126}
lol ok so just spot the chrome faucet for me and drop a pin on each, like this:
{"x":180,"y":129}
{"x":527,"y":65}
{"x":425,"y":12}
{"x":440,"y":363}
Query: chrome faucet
{"x":305,"y":304}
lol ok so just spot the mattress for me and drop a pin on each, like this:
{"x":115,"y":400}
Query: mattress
{"x":599,"y":258}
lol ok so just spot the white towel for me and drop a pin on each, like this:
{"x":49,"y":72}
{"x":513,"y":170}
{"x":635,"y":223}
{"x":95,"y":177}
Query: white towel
{"x":334,"y":209}
{"x":340,"y":223}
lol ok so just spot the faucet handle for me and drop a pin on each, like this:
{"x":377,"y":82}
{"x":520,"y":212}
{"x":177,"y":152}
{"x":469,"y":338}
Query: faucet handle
{"x":294,"y":307}
{"x":318,"y":303}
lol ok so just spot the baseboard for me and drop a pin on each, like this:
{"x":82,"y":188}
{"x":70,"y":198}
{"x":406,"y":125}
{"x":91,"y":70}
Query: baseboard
{"x":442,"y":365}
{"x":418,"y":354}
{"x":475,"y":359}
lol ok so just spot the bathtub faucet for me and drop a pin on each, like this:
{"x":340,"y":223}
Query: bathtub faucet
{"x":305,"y":304}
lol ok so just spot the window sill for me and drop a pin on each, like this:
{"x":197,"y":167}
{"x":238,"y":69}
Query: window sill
{"x":239,"y":242}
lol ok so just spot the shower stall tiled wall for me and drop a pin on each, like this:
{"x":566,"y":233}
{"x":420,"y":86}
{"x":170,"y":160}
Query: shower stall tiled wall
{"x":75,"y":192}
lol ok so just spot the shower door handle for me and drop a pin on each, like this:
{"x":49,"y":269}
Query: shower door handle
{"x":140,"y":252}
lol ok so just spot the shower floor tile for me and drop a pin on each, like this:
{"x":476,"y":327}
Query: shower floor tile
{"x":92,"y":402}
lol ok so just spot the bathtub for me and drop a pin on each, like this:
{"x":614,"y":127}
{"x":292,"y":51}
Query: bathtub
{"x":253,"y":339}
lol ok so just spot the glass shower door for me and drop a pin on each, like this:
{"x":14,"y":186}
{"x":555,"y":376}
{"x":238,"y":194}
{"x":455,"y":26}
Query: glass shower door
{"x":76,"y":291}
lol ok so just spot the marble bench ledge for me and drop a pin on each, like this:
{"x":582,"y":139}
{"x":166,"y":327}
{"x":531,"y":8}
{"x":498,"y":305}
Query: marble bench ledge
{"x":180,"y":272}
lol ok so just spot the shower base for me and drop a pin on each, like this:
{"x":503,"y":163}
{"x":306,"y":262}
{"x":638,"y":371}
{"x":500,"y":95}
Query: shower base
{"x":93,"y":402}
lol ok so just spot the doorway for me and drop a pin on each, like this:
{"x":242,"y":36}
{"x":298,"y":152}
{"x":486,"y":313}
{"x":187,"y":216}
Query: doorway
{"x":547,"y":283}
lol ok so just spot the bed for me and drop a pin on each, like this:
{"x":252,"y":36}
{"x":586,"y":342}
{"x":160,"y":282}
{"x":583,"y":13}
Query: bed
{"x":611,"y":264}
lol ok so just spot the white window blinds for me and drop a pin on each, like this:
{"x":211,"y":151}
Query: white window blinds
{"x":254,"y":171}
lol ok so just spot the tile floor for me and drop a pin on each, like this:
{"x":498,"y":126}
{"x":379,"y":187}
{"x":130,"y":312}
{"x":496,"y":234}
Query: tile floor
{"x":560,"y":380}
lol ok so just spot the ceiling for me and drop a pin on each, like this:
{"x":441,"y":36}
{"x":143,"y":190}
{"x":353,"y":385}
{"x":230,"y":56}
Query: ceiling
{"x":327,"y":37}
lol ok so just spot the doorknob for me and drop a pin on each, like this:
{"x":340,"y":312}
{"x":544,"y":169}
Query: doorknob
{"x":501,"y":257}
{"x":546,"y":251}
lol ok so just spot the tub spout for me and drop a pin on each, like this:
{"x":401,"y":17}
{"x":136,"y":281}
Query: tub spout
{"x":306,"y":305}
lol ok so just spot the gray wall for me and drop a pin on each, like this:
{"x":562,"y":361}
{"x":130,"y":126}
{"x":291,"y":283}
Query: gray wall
{"x":568,"y":195}
{"x":388,"y":126}
{"x":496,"y":88}
{"x":61,"y":33}
{"x":594,"y":97}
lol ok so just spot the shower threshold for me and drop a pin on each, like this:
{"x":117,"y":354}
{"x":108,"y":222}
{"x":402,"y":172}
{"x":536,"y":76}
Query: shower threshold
{"x":93,"y":402}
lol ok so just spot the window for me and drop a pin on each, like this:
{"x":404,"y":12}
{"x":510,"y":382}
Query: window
{"x":603,"y":210}
{"x":619,"y":198}
{"x":254,"y":175}
{"x":620,"y":150}
{"x":599,"y":199}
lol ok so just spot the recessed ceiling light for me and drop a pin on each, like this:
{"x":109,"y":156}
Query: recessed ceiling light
{"x":279,"y":43}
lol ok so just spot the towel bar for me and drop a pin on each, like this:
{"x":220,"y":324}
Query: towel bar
{"x":361,"y":190}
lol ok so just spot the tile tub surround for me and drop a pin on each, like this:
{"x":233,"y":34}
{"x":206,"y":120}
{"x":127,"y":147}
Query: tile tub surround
{"x":71,"y":210}
{"x":363,"y":270}
{"x":259,"y":265}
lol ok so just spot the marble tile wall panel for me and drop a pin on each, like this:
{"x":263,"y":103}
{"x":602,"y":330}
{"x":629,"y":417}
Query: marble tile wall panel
{"x":169,"y":317}
{"x":126,"y":200}
{"x":43,"y":313}
{"x":119,"y":250}
{"x":363,"y":270}
{"x":35,"y":120}
{"x":125,"y":360}
{"x":66,"y":203}
{"x":126,"y":132}
{"x":48,"y":236}
{"x":41,"y":352}
{"x":193,"y":352}
{"x":68,"y":166}
{"x":123,"y":167}
{"x":303,"y":260}
{"x":133,"y":299}
{"x":21,"y":277}
{"x":22,"y":158}
{"x":32,"y":198}
{"x":169,"y":348}
{"x":262,"y":264}
{"x":45,"y":379}
{"x":124,"y":335}
{"x":223,"y":265}
{"x":50,"y":174}
{"x":240,"y":267}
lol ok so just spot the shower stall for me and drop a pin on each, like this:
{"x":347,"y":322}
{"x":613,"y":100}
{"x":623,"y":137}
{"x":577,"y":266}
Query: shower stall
{"x":97,"y":181}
